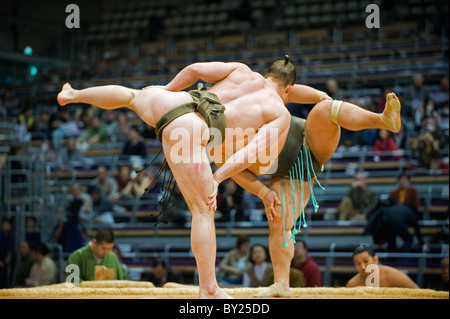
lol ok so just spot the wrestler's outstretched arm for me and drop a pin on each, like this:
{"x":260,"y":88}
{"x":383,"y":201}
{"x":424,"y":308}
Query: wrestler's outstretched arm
{"x":303,"y":94}
{"x":210,"y":72}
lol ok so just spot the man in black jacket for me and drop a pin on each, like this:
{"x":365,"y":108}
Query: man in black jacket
{"x":390,"y":220}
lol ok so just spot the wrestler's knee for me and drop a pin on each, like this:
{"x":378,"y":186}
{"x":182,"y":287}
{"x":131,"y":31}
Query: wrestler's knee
{"x":201,"y":211}
{"x":323,"y":108}
{"x":131,"y":98}
{"x":277,"y":223}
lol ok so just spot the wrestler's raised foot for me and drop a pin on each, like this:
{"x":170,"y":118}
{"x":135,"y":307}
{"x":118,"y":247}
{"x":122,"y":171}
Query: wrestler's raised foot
{"x":66,"y":95}
{"x":391,"y":114}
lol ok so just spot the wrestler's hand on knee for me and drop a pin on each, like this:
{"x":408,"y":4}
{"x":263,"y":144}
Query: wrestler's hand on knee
{"x":269,"y":201}
{"x":212,"y":199}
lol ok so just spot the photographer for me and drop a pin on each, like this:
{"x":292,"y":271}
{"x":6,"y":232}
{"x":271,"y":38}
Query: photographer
{"x":427,"y":148}
{"x":135,"y":187}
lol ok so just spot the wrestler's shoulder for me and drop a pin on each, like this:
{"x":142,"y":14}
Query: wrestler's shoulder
{"x":241,"y":66}
{"x":355,"y":281}
{"x":244,"y":68}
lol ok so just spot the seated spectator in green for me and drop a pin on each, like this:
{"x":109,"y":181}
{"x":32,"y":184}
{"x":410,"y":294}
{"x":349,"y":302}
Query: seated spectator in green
{"x":98,"y":252}
{"x":25,"y":263}
{"x":95,"y":134}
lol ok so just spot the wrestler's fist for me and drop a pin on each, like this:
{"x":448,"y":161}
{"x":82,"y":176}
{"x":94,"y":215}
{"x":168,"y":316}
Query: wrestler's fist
{"x":269,"y":201}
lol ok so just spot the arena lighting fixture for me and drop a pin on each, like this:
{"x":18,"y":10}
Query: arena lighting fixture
{"x":32,"y":69}
{"x":28,"y":50}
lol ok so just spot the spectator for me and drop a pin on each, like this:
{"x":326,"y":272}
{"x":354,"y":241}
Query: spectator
{"x":367,"y":137}
{"x":24,"y":266}
{"x":443,"y":286}
{"x":388,"y":276}
{"x":359,"y":201}
{"x":123,"y":177}
{"x":406,"y":194}
{"x":416,"y":95}
{"x":25,"y":124}
{"x":384,"y":145}
{"x":258,"y":274}
{"x":7,"y":253}
{"x":333,"y":90}
{"x":382,"y":99}
{"x":77,"y":194}
{"x":401,"y":138}
{"x":427,"y":149}
{"x":11,"y":102}
{"x":429,"y":124}
{"x":296,"y":279}
{"x":106,"y":183}
{"x":389,"y":221}
{"x":70,"y":155}
{"x":97,"y":252}
{"x":162,"y":274}
{"x":71,"y":233}
{"x":443,"y":118}
{"x":136,"y":186}
{"x":120,"y":128}
{"x":102,"y":209}
{"x":44,"y":270}
{"x":441,"y":96}
{"x":134,"y":146}
{"x":41,"y":130}
{"x":109,"y":117}
{"x":32,"y":233}
{"x":55,"y":127}
{"x":305,"y":263}
{"x":235,"y":262}
{"x":70,"y":125}
{"x":95,"y":135}
{"x":118,"y":253}
{"x":229,"y":202}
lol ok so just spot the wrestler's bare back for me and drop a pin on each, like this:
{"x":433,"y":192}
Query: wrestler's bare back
{"x":250,"y":103}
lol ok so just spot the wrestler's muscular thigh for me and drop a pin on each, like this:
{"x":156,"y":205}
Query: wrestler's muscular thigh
{"x":322,"y":136}
{"x":150,"y":104}
{"x":185,"y":152}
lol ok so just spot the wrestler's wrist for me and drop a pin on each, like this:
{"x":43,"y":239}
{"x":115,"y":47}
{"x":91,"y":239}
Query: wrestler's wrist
{"x":321,"y":96}
{"x":263,"y":192}
{"x":217,"y":179}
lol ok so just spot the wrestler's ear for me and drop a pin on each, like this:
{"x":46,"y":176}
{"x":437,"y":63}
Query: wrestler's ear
{"x":288,"y":89}
{"x":375,"y":260}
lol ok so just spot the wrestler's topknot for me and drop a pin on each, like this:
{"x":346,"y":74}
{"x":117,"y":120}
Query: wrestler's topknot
{"x":283,"y":71}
